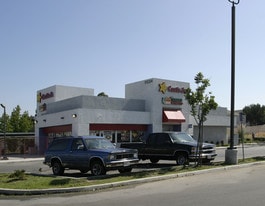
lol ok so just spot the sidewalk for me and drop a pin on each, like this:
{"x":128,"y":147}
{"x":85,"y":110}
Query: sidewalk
{"x":20,"y":157}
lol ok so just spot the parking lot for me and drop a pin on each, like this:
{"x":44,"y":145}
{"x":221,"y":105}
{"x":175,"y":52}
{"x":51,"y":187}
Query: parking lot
{"x":35,"y":165}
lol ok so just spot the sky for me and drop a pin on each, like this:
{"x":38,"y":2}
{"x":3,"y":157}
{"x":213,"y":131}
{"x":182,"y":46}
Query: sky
{"x":106,"y":44}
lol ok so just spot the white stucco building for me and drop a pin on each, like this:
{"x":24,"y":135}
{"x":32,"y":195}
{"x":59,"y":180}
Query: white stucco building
{"x":151,"y":105}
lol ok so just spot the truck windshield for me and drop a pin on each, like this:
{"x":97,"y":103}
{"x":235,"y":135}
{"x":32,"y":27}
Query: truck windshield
{"x":99,"y":143}
{"x":181,"y":137}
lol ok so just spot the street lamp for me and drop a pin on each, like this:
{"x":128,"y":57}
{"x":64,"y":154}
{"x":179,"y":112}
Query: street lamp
{"x":231,"y":152}
{"x":4,"y":150}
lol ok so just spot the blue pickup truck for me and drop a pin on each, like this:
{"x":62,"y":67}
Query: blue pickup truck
{"x":85,"y":153}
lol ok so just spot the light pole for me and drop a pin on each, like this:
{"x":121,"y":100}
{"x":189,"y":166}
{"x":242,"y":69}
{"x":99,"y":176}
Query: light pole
{"x":4,"y":150}
{"x":231,"y":152}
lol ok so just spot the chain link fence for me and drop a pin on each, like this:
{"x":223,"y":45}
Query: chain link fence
{"x":17,"y":145}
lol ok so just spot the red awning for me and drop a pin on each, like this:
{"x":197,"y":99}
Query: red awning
{"x":173,"y":116}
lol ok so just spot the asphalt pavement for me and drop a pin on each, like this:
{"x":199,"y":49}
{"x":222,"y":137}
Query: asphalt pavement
{"x":219,"y":150}
{"x":21,"y":158}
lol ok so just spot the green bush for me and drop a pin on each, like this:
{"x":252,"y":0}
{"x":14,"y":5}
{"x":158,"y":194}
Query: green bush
{"x":18,"y":175}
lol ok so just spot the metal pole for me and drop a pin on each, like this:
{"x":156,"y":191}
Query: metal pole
{"x":4,"y":151}
{"x":231,"y":152}
{"x":242,"y":134}
{"x":242,"y":139}
{"x":232,"y":79}
{"x":232,"y":73}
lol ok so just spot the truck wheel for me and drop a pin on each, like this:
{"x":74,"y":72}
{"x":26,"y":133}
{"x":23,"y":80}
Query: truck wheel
{"x":154,"y":160}
{"x":181,"y":159}
{"x":97,"y":168}
{"x":124,"y":170}
{"x":57,"y":168}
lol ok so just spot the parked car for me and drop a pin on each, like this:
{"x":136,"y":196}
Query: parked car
{"x":85,"y":153}
{"x":178,"y":146}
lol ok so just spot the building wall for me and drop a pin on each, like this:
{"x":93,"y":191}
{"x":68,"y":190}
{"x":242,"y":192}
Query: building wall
{"x":80,"y":123}
{"x":213,"y":134}
{"x":66,"y":92}
{"x":150,"y":90}
{"x":96,"y":102}
{"x":57,"y":93}
{"x":215,"y":128}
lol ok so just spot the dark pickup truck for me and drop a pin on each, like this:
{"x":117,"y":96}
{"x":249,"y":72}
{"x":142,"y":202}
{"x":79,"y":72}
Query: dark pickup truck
{"x":177,"y":146}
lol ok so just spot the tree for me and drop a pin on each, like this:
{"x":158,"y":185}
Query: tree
{"x":26,"y":123}
{"x":15,"y":119}
{"x":2,"y":123}
{"x":17,"y":122}
{"x":255,"y":114}
{"x":201,"y":104}
{"x":102,"y":94}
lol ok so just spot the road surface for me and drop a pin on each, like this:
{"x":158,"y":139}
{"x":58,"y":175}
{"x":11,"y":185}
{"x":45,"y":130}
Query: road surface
{"x":232,"y":187}
{"x":39,"y":167}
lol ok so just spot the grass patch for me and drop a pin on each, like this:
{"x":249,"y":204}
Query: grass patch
{"x":21,"y":180}
{"x":250,"y":160}
{"x":39,"y":182}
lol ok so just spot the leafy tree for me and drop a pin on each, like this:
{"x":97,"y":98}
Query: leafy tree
{"x":26,"y":123}
{"x":201,"y":104}
{"x":2,"y":123}
{"x":102,"y":94}
{"x":255,"y":114}
{"x":15,"y":119}
{"x":17,"y":122}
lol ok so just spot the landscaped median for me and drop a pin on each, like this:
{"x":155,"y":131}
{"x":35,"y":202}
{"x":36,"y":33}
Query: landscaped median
{"x":20,"y":183}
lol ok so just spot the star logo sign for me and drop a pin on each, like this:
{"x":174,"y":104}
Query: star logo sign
{"x":163,"y":87}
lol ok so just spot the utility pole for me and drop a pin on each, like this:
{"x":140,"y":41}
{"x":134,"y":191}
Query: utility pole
{"x":231,"y":152}
{"x":4,"y":150}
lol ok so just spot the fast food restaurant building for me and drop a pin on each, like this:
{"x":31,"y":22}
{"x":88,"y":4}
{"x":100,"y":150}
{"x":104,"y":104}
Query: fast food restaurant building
{"x":151,"y":105}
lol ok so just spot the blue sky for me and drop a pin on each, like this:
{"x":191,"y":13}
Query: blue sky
{"x":105,"y":44}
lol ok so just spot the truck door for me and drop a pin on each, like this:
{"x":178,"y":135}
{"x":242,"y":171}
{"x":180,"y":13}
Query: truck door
{"x":78,"y":155}
{"x":158,"y":145}
{"x":150,"y":146}
{"x":163,"y":145}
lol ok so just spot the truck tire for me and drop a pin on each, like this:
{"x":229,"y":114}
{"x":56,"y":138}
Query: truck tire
{"x":97,"y":168}
{"x":181,"y":159}
{"x":154,"y":160}
{"x":57,"y":168}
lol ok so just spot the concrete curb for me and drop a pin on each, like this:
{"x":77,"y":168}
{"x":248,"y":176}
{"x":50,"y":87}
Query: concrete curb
{"x":20,"y":160}
{"x":11,"y":160}
{"x":120,"y":184}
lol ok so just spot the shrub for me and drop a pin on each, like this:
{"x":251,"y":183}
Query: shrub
{"x":18,"y":175}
